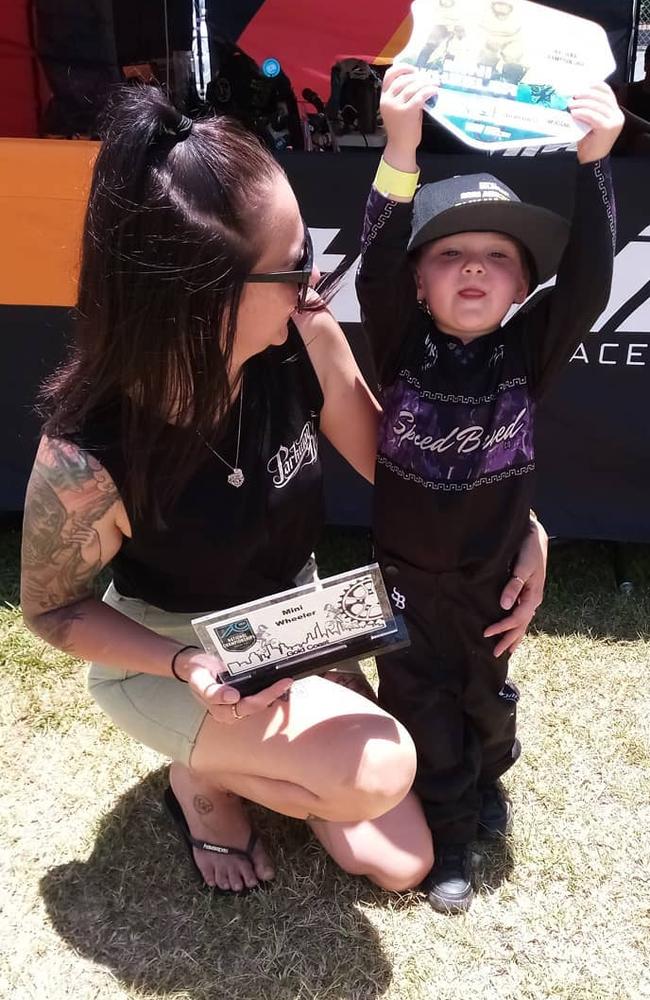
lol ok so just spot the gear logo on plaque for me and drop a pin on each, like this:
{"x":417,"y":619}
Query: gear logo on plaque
{"x":359,"y":602}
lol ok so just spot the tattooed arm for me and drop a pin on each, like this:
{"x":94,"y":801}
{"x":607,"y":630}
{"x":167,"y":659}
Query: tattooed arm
{"x":74,"y":525}
{"x":69,"y":533}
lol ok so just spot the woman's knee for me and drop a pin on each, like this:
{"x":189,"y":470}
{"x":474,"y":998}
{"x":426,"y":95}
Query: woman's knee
{"x":397,"y":859}
{"x":378,"y":772}
{"x":403,"y":874}
{"x":387,"y":769}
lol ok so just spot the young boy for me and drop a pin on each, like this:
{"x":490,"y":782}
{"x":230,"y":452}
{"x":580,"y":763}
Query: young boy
{"x":454,"y":477}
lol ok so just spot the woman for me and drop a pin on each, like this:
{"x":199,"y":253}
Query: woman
{"x":180,"y":446}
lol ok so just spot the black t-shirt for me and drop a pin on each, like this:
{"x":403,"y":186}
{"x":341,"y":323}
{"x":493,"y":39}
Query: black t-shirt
{"x":456,"y":454}
{"x":222,"y":545}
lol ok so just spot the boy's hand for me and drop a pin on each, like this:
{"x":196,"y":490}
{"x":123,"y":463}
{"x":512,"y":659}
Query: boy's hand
{"x":405,"y":91}
{"x":597,"y":108}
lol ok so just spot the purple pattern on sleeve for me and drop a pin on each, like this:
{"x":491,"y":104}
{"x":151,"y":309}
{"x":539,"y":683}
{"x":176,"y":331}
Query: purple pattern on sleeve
{"x":378,"y":210}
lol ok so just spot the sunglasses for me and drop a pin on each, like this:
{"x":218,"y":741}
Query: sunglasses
{"x":301,"y":276}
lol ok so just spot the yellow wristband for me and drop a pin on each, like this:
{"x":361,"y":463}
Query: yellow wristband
{"x":391,"y":182}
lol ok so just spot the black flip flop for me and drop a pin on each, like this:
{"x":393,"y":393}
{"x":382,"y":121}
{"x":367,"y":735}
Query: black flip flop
{"x":176,"y":813}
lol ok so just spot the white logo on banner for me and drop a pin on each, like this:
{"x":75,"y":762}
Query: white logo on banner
{"x":631,"y":274}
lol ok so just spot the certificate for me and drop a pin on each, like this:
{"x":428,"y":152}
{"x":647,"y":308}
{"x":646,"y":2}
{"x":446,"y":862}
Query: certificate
{"x":506,"y":68}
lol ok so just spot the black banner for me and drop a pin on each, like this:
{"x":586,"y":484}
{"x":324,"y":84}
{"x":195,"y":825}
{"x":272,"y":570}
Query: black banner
{"x":593,"y":446}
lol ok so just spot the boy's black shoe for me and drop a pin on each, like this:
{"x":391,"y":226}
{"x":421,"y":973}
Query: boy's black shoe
{"x":448,"y":885}
{"x":495,"y":815}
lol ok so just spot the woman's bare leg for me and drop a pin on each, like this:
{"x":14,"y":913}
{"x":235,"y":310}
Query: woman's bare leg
{"x":395,"y":850}
{"x":219,"y":817}
{"x":327,"y":755}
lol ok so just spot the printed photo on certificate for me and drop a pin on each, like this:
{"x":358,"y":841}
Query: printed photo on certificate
{"x":506,"y":68}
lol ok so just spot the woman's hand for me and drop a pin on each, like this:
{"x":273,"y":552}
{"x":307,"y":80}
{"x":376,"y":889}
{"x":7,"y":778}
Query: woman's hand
{"x":224,"y":703}
{"x":405,"y":91}
{"x":523,"y":592}
{"x":598,"y":108}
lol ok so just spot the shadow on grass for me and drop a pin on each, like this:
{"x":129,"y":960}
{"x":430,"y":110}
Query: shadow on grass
{"x":581,"y":594}
{"x":343,"y":548}
{"x":135,"y":907}
{"x":582,"y":597}
{"x":496,"y":863}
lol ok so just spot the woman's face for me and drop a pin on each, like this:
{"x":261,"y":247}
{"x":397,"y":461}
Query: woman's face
{"x":265,"y":308}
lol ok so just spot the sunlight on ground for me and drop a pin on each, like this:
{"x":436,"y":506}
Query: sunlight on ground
{"x":98,"y":899}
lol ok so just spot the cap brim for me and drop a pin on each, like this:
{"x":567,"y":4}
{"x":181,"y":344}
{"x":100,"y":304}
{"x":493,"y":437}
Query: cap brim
{"x":543,"y":233}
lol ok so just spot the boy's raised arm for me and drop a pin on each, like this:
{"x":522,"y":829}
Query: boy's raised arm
{"x":555,"y":327}
{"x":385,"y":284}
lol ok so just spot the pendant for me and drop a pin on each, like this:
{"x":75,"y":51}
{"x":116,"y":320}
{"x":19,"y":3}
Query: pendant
{"x":236,"y":478}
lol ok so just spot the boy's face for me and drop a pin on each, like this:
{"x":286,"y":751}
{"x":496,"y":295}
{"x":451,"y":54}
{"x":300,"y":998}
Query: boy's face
{"x":470,"y":280}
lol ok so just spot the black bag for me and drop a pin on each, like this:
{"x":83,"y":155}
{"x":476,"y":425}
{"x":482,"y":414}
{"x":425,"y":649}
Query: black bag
{"x":265,"y":105}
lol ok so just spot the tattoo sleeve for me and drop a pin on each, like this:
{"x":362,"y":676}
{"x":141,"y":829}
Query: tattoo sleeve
{"x":68,"y":495}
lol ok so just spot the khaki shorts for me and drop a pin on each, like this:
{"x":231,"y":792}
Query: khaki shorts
{"x":159,"y":711}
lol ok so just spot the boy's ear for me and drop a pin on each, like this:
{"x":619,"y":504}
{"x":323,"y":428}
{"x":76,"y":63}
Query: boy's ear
{"x":419,"y":288}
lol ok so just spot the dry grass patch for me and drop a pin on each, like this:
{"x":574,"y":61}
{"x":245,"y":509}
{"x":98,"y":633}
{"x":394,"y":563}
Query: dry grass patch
{"x":98,"y":899}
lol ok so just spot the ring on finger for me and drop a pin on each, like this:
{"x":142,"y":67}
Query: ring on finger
{"x":514,"y":577}
{"x":233,"y":709}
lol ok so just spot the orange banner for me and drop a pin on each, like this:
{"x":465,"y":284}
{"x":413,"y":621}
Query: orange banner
{"x":44,"y":186}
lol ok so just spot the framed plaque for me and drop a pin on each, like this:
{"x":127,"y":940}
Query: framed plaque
{"x":304,"y":630}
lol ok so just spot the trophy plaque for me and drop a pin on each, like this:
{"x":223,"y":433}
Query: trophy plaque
{"x":304,"y":630}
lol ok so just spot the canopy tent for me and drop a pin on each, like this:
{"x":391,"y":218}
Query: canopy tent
{"x":84,"y":43}
{"x":21,"y":84}
{"x":308,"y":38}
{"x":593,"y":459}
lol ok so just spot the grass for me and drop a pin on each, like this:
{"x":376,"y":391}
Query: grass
{"x":98,"y":901}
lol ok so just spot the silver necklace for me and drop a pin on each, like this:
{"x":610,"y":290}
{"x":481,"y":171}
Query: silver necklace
{"x":236,"y":477}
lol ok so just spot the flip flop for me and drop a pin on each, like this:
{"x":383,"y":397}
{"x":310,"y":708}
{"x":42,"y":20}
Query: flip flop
{"x":176,"y":813}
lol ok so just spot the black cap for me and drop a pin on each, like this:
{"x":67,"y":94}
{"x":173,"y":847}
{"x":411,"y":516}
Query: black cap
{"x":483,"y":203}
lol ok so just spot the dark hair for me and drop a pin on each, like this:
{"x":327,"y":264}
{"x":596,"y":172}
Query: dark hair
{"x":170,"y":234}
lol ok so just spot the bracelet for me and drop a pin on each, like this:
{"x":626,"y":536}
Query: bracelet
{"x":176,"y":654}
{"x":389,"y":181}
